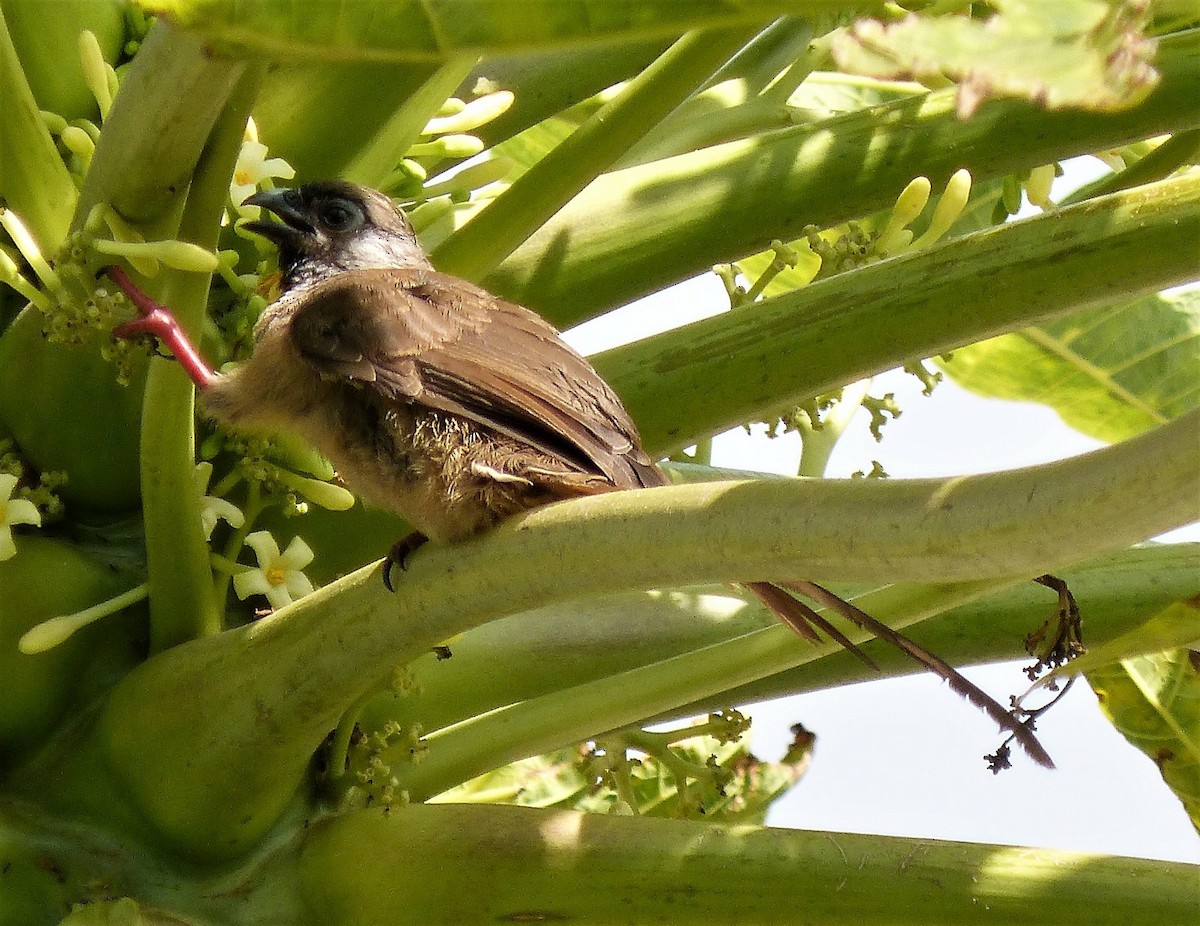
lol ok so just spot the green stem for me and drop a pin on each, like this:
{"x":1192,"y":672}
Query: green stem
{"x":1180,"y":149}
{"x":253,"y":703}
{"x":35,"y":182}
{"x":545,"y":85}
{"x":366,"y":868}
{"x":746,"y":96}
{"x":536,"y":195}
{"x":174,"y":93}
{"x":237,"y":539}
{"x":818,"y":443}
{"x":632,"y":232}
{"x":182,"y":606}
{"x":612,"y":634}
{"x":50,"y":633}
{"x":339,"y":746}
{"x":851,"y":326}
{"x":573,"y":714}
{"x":373,"y":160}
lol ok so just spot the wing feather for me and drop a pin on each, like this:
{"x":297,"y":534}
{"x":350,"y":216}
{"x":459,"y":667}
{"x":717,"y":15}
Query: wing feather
{"x":429,"y":339}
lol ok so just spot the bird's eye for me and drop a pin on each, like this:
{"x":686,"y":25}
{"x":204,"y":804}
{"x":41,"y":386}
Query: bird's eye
{"x":340,"y":215}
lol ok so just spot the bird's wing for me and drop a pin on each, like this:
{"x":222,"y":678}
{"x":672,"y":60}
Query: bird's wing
{"x":433,"y":340}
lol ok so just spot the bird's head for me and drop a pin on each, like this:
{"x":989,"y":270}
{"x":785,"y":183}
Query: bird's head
{"x":330,"y":226}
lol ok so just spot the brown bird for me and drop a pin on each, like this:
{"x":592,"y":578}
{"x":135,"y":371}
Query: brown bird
{"x":436,"y":400}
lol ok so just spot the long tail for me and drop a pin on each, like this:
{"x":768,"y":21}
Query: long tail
{"x":802,"y":619}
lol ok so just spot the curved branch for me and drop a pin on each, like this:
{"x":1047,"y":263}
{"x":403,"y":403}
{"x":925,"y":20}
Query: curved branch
{"x":251,"y":705}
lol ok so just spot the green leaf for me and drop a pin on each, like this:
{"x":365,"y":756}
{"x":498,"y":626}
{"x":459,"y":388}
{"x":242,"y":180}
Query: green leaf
{"x":549,"y":780}
{"x":34,"y":181}
{"x":530,"y":146}
{"x":1174,"y":626}
{"x":1074,"y":53}
{"x":1155,"y":702}
{"x":855,"y":324}
{"x":409,"y":30}
{"x":634,"y":231}
{"x":1110,"y":372}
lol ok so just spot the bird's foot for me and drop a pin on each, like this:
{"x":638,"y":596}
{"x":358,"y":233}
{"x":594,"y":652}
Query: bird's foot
{"x":157,"y":320}
{"x":398,"y":555}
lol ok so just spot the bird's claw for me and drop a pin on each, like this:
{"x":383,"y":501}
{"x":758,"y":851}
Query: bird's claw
{"x":398,"y":555}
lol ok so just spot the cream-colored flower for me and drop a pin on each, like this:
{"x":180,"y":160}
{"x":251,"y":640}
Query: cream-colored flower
{"x":213,"y":509}
{"x":277,"y":575}
{"x":253,"y":167}
{"x":13,"y":511}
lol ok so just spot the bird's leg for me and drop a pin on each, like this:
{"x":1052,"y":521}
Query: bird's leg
{"x":401,"y":550}
{"x":156,"y":319}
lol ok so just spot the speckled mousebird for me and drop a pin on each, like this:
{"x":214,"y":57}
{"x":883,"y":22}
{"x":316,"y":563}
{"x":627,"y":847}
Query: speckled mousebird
{"x":435,"y":399}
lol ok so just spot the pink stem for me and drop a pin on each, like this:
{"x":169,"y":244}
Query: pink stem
{"x":157,"y":320}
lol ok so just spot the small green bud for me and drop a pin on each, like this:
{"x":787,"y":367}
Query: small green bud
{"x":181,"y":255}
{"x":325,"y":494}
{"x":896,"y":236}
{"x":428,"y":213}
{"x":448,"y":146}
{"x":79,"y":142}
{"x":478,"y":112}
{"x":54,"y":122}
{"x":912,"y":201}
{"x":1037,"y":187}
{"x":88,"y":126}
{"x":29,"y":249}
{"x":470,"y":178}
{"x":95,"y":71}
{"x":49,"y":634}
{"x":949,"y":207}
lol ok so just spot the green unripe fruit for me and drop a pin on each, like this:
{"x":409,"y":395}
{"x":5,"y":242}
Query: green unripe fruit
{"x":67,"y":412}
{"x":46,"y":36}
{"x":46,"y":578}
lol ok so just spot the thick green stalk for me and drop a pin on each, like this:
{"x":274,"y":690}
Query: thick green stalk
{"x":363,"y":869}
{"x":367,"y":868}
{"x":252,"y":704}
{"x":546,"y":84}
{"x":609,"y":635}
{"x":351,"y":119}
{"x":573,"y":714}
{"x":374,"y":159}
{"x":1116,"y":596}
{"x":634,"y":231}
{"x":168,"y":104}
{"x":494,"y":233}
{"x":181,"y":603}
{"x":853,"y":325}
{"x":1180,"y":149}
{"x":747,"y":96}
{"x":34,"y":181}
{"x":418,"y":31}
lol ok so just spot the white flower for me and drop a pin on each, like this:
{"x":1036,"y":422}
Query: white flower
{"x":13,"y":511}
{"x":214,"y":509}
{"x":253,"y":167}
{"x":277,"y":575}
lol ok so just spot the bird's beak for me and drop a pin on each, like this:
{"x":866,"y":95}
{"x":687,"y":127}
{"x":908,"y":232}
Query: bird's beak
{"x":289,"y":208}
